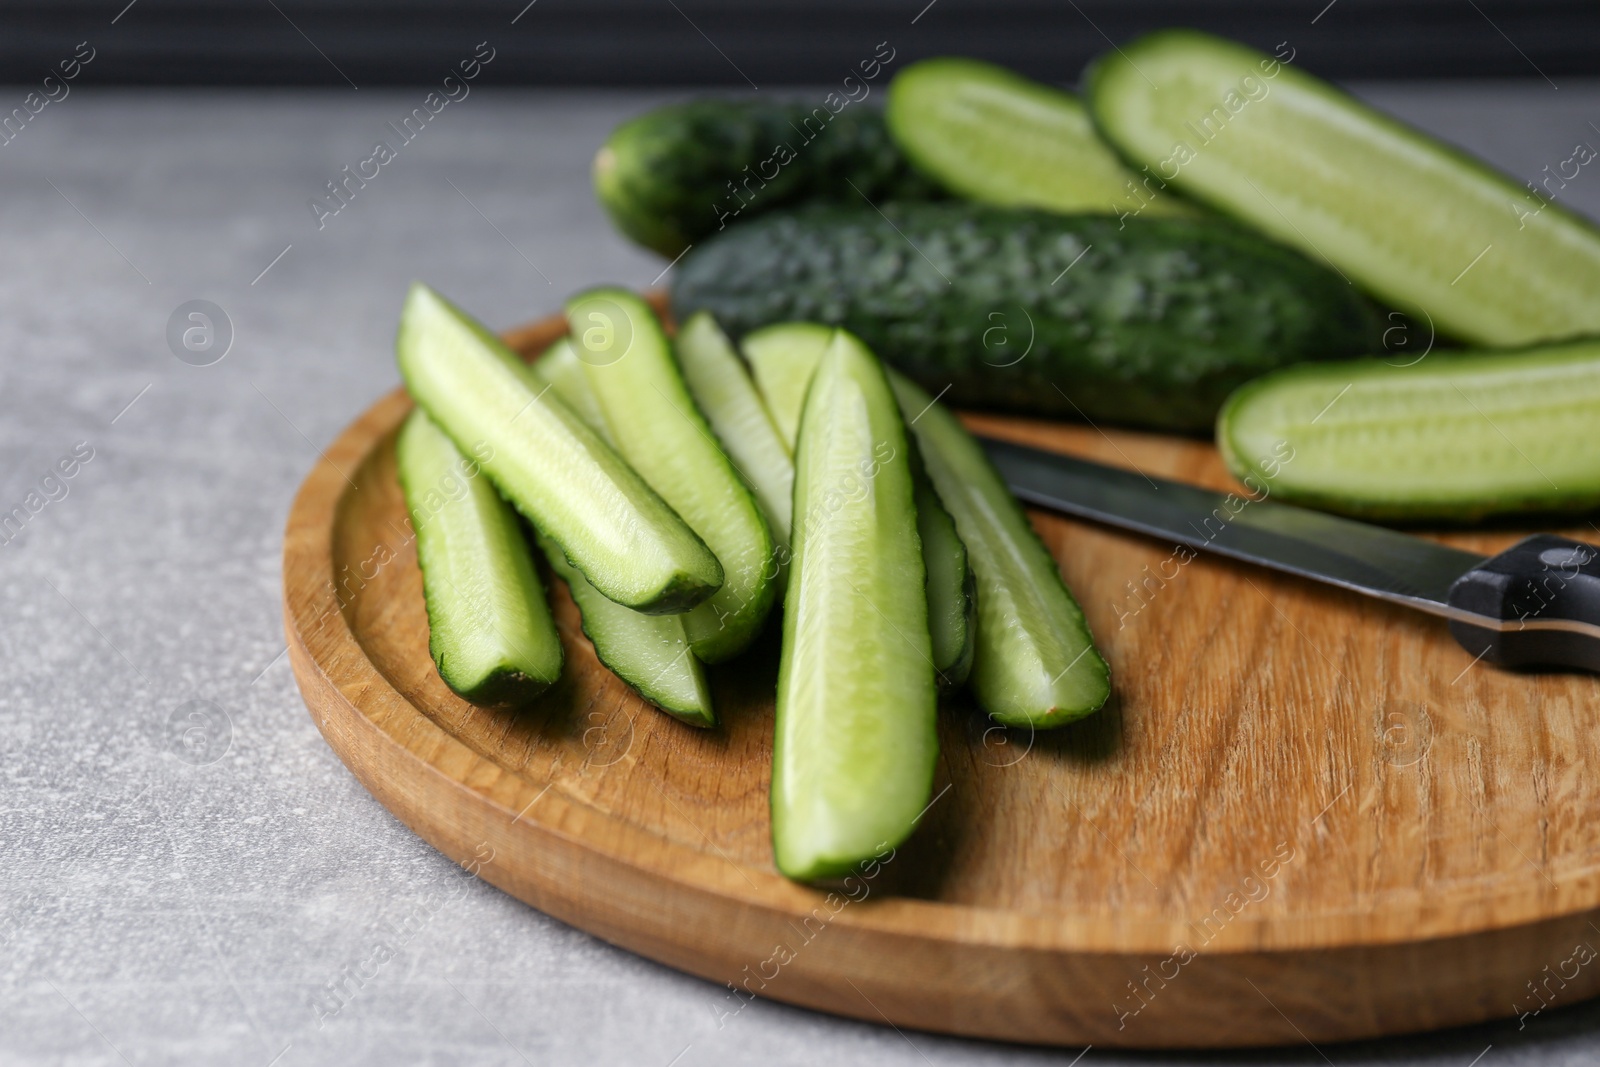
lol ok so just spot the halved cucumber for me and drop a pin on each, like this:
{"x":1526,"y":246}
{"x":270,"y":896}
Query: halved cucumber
{"x":629,"y":364}
{"x":783,"y":358}
{"x":489,"y":625}
{"x":986,"y":133}
{"x":1420,"y":224}
{"x":1035,"y":663}
{"x":855,"y":742}
{"x":1456,"y":436}
{"x":722,"y":389}
{"x":650,"y":653}
{"x":568,"y":482}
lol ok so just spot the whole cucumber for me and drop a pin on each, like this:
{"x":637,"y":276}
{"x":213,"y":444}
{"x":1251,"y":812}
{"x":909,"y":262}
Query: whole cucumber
{"x":685,"y":171}
{"x":1144,"y":321}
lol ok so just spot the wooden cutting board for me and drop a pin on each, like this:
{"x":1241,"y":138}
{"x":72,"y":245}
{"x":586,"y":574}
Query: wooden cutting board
{"x":1303,"y":815}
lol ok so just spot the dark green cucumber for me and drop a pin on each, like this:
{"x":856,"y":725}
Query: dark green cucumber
{"x":633,"y":373}
{"x":554,"y":469}
{"x":1419,"y":223}
{"x":489,"y":625}
{"x":855,"y":744}
{"x":988,"y":134}
{"x":1035,"y":663}
{"x":650,"y":653}
{"x":682,"y":172}
{"x":1144,"y":321}
{"x":1456,"y":436}
{"x":783,"y":358}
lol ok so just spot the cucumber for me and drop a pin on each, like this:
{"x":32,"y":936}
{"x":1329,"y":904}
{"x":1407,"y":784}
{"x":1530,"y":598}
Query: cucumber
{"x":723,"y":391}
{"x":650,"y":653}
{"x":489,"y":625}
{"x":988,"y":134}
{"x":1145,"y":321}
{"x":784,"y":357}
{"x":1420,"y":224}
{"x":1035,"y":663}
{"x":563,"y":478}
{"x":684,"y":171}
{"x":629,"y":365}
{"x":855,"y":744}
{"x":1456,"y":437}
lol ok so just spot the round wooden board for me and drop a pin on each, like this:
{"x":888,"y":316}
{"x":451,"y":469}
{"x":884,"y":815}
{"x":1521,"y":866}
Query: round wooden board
{"x":1304,"y":815}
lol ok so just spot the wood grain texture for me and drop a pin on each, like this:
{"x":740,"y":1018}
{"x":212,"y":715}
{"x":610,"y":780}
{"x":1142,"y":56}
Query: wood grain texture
{"x":1304,"y":815}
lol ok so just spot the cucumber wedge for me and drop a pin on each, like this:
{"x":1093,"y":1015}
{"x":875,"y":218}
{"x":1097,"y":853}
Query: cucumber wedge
{"x":1420,"y":224}
{"x":489,"y":625}
{"x":564,"y":479}
{"x":986,"y":133}
{"x":1456,"y":437}
{"x":782,"y":359}
{"x":855,"y":744}
{"x":722,"y":389}
{"x":1035,"y":663}
{"x":650,"y":653}
{"x":629,"y":364}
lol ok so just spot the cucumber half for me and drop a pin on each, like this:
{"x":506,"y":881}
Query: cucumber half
{"x":1456,"y":436}
{"x":1420,"y":224}
{"x":489,"y":625}
{"x":986,"y":133}
{"x":629,"y":365}
{"x":1035,"y":663}
{"x":564,"y":479}
{"x":855,"y":745}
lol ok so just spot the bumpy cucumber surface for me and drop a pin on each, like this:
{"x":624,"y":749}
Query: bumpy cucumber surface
{"x":554,"y":469}
{"x":1146,"y":322}
{"x":489,"y":625}
{"x":1035,"y":663}
{"x":650,"y":415}
{"x":682,"y":172}
{"x":1421,"y":224}
{"x":855,"y":741}
{"x":1456,"y":436}
{"x":986,"y":133}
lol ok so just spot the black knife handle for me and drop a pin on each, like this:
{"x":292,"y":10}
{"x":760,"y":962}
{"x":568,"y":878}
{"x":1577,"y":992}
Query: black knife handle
{"x":1543,"y":594}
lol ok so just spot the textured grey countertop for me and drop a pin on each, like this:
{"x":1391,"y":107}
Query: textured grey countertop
{"x":180,"y":883}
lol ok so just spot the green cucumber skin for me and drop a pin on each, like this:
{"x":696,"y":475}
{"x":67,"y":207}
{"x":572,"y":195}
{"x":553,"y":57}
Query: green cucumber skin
{"x":1034,"y":662}
{"x":660,"y":432}
{"x":988,"y":134}
{"x":489,"y":626}
{"x":553,"y":468}
{"x":855,"y":740}
{"x":1401,"y":213}
{"x":685,"y":171}
{"x":1456,"y":437}
{"x":1155,"y":324}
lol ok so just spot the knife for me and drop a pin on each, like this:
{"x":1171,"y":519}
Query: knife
{"x":1535,"y":604}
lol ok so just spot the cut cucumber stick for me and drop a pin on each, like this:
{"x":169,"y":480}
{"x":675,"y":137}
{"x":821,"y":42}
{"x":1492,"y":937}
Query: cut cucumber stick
{"x":568,"y":482}
{"x":489,"y":625}
{"x":855,"y":744}
{"x":1456,"y":437}
{"x":1419,"y":223}
{"x":633,"y":373}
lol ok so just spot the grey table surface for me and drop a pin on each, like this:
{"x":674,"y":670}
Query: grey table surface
{"x":167,"y":904}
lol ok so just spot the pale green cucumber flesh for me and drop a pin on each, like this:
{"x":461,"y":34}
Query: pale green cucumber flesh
{"x":650,"y":653}
{"x":726,"y":395}
{"x":782,"y":358}
{"x":630,"y":366}
{"x":489,"y":625}
{"x":1035,"y":663}
{"x":1418,"y":223}
{"x":986,"y":133}
{"x":555,"y":470}
{"x":855,"y":743}
{"x":1456,"y":436}
{"x":560,"y":368}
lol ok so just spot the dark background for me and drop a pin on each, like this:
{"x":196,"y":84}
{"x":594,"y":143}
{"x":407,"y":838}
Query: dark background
{"x":706,"y":42}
